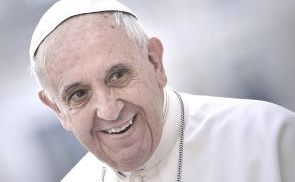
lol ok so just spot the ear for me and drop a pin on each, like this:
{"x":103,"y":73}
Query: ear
{"x":52,"y":105}
{"x":155,"y":53}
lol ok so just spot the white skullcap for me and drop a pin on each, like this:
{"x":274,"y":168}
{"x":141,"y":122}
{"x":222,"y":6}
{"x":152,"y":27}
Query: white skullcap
{"x":65,"y":9}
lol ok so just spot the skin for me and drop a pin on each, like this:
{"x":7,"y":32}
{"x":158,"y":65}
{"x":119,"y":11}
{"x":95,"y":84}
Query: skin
{"x":99,"y":79}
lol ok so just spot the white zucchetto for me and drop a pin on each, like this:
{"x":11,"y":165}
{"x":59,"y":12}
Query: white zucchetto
{"x":65,"y":9}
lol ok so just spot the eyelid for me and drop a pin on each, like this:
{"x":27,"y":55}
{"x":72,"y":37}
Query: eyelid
{"x":68,"y":89}
{"x":71,"y":91}
{"x":121,"y":72}
{"x":115,"y":70}
{"x":85,"y":93}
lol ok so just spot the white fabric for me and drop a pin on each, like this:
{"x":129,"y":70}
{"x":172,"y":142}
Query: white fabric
{"x":226,"y":140}
{"x":65,"y":9}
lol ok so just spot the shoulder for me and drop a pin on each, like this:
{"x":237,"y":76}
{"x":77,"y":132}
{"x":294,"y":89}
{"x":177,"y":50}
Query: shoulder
{"x":89,"y":168}
{"x":246,"y":134}
{"x":211,"y":102}
{"x":236,"y":115}
{"x":232,"y":106}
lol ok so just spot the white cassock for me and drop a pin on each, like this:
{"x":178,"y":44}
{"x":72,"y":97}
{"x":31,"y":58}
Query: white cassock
{"x":225,"y":140}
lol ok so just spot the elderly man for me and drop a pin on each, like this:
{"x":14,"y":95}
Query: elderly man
{"x":104,"y":78}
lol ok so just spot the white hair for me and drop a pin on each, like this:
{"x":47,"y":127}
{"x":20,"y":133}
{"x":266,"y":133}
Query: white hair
{"x":133,"y":28}
{"x":127,"y":22}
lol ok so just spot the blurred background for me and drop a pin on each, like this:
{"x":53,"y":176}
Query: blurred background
{"x":230,"y":48}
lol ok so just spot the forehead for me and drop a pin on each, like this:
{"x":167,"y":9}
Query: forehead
{"x":80,"y":31}
{"x":84,"y":38}
{"x":82,"y":35}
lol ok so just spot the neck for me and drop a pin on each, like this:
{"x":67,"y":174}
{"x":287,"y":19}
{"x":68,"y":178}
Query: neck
{"x":171,"y":129}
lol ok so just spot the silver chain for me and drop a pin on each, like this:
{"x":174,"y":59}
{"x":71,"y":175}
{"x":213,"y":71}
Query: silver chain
{"x":104,"y":170}
{"x":180,"y":153}
{"x":180,"y":149}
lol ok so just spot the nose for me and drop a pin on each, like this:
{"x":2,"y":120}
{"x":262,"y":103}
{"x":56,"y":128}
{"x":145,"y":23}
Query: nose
{"x":108,"y":106}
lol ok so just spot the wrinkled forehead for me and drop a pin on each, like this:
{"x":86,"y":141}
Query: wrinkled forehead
{"x":82,"y":25}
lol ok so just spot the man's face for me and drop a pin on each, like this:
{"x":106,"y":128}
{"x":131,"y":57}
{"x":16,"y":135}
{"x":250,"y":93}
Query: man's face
{"x":106,"y":91}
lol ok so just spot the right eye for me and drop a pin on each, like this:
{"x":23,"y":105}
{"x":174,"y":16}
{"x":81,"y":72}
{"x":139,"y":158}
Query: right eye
{"x":78,"y":96}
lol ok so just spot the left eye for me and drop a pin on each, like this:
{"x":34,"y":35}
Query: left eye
{"x":117,"y":75}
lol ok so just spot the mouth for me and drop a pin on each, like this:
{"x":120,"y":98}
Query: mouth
{"x":120,"y":129}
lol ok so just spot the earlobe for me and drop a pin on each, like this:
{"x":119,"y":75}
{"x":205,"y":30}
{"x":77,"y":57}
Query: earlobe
{"x":155,"y":53}
{"x":52,"y":105}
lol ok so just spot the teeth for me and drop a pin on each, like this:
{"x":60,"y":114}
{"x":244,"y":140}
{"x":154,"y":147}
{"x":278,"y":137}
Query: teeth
{"x":119,"y":129}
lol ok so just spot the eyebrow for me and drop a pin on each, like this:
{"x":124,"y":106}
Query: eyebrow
{"x":68,"y":88}
{"x":118,"y":66}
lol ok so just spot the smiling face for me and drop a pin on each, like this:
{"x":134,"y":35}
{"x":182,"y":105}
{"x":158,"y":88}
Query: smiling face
{"x":105,"y":90}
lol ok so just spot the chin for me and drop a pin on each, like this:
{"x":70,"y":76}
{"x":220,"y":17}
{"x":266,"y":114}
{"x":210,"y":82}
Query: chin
{"x":132,"y":165}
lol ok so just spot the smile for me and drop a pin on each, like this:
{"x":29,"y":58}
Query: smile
{"x":121,"y":129}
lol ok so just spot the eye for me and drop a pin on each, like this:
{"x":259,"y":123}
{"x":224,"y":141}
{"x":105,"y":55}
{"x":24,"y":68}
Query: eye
{"x":118,"y":74}
{"x":118,"y":77}
{"x":78,"y":96}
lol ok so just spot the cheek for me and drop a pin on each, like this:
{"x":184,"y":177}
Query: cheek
{"x":81,"y":123}
{"x":149,"y":99}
